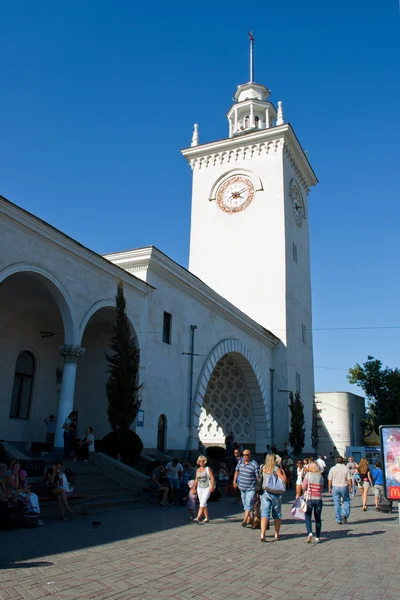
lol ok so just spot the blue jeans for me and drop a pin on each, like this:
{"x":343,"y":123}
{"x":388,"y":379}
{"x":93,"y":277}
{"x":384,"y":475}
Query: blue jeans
{"x":248,"y":498}
{"x":271,"y":503}
{"x":338,"y":494}
{"x":315,"y":505}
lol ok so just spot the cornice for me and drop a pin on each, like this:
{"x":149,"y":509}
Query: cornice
{"x":54,"y":238}
{"x":258,"y":143}
{"x":157,"y":262}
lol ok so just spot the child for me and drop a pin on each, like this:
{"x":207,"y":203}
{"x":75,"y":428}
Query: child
{"x":223,"y":476}
{"x":191,"y":500}
{"x":31,"y":499}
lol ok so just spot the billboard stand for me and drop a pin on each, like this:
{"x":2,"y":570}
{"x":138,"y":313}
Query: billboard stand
{"x":390,"y":455}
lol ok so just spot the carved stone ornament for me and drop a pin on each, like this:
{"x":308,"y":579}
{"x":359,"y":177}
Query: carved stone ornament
{"x":71,"y":354}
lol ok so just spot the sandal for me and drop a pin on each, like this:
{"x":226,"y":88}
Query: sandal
{"x":63,"y":519}
{"x":263,"y":539}
{"x":71,"y":512}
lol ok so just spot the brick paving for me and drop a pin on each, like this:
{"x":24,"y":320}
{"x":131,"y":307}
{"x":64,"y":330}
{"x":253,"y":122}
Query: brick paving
{"x":155,"y":553}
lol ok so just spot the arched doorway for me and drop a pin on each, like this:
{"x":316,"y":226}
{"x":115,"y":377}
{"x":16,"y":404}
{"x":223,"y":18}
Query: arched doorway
{"x":227,"y":405}
{"x":36,"y":318}
{"x":162,"y":433}
{"x":231,"y":396}
{"x":96,"y":330}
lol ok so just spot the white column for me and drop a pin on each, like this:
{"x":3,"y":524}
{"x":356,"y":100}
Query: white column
{"x":267,"y":119}
{"x":252,"y":123}
{"x":236,"y":121}
{"x":71,"y":355}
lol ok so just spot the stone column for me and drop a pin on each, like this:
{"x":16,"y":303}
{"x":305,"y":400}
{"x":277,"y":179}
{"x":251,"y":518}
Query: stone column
{"x":71,"y":355}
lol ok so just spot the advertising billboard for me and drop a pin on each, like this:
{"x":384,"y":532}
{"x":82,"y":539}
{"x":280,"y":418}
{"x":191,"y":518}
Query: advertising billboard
{"x":390,"y":448}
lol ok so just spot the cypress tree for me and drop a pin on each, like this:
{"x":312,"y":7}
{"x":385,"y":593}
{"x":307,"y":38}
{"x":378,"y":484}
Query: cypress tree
{"x":297,"y":433}
{"x":122,"y":387}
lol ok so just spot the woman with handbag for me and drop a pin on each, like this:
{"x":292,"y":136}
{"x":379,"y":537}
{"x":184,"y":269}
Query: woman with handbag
{"x":313,"y":485}
{"x":273,"y":486}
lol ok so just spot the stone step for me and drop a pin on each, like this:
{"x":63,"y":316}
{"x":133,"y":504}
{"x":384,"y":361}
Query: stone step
{"x":97,"y":506}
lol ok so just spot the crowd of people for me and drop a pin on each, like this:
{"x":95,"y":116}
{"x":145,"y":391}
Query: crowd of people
{"x":260,"y":488}
{"x":19,"y":496}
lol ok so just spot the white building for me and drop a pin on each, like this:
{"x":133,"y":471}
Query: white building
{"x":340,"y":415}
{"x":221,"y":344}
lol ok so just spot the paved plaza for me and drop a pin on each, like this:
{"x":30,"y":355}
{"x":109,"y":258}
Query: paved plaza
{"x":154,"y":552}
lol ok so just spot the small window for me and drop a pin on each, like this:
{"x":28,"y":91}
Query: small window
{"x":298,"y":388}
{"x":167,"y":326}
{"x":304,"y":334}
{"x":257,"y":121}
{"x":294,"y":252}
{"x":246,"y":122}
{"x":23,"y":386}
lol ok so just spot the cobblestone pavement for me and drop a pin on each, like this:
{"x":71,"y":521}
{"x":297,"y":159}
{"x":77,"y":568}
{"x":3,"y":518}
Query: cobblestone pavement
{"x":155,"y":553}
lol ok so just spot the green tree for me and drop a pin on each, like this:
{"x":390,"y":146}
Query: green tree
{"x":382,"y":389}
{"x":122,"y":387}
{"x":297,"y":432}
{"x":314,"y":427}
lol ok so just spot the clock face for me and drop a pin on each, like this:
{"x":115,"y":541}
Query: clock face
{"x":235,"y":194}
{"x":297,"y":205}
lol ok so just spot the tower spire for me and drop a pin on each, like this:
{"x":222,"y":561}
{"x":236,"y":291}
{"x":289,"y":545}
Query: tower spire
{"x":251,"y":57}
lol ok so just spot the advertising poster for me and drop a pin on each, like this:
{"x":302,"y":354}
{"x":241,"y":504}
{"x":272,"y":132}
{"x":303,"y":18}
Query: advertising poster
{"x":390,"y":447}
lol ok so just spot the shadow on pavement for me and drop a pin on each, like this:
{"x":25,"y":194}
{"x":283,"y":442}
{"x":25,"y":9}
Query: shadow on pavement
{"x":78,"y":533}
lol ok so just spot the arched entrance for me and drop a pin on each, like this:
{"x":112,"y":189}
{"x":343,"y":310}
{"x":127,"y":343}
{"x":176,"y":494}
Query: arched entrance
{"x":36,"y":318}
{"x":162,"y":433}
{"x":96,"y":329}
{"x":231,"y":397}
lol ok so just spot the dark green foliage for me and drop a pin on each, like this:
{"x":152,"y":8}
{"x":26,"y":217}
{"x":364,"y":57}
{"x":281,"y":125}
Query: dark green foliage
{"x":122,"y":387}
{"x":216,"y":452}
{"x":123,"y":366}
{"x":129,"y":447}
{"x":382,"y":390}
{"x":297,"y":432}
{"x":314,"y":427}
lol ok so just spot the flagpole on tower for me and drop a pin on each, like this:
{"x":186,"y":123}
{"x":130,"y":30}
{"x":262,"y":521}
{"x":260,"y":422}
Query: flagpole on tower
{"x":251,"y":57}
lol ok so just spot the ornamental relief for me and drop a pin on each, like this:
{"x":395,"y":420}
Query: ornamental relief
{"x":227,"y":405}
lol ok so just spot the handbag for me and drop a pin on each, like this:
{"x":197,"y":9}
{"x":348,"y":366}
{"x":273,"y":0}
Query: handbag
{"x":304,"y":501}
{"x":275,"y":485}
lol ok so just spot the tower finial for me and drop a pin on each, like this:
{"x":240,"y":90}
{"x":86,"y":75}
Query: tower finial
{"x":251,"y":57}
{"x":279,"y":116}
{"x":195,"y":136}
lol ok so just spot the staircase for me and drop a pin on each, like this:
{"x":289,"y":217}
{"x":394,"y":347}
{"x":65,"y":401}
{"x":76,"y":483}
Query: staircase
{"x":103,"y":493}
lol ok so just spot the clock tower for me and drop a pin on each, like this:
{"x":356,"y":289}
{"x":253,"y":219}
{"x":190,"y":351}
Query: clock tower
{"x":249,"y":238}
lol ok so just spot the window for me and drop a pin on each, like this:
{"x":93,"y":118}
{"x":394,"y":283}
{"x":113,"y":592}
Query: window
{"x":298,"y":388}
{"x":304,"y":334}
{"x":294,"y":252}
{"x":23,"y":386}
{"x":257,"y":122}
{"x":246,"y":122}
{"x":167,"y":326}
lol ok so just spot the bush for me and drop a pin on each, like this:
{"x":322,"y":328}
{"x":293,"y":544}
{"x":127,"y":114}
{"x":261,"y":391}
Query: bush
{"x":216,"y":452}
{"x":129,"y":446}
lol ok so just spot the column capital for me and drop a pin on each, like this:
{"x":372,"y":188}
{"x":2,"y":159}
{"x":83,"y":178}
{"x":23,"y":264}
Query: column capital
{"x":71,"y":354}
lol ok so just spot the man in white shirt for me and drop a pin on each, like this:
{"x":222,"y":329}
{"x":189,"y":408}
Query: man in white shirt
{"x":340,"y":486}
{"x":321,"y":463}
{"x":174,"y":471}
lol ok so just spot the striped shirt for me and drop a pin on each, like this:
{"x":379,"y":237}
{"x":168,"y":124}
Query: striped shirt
{"x":247,"y":475}
{"x":314,"y":484}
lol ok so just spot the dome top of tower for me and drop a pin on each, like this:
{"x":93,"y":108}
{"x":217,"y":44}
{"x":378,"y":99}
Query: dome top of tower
{"x":251,"y":109}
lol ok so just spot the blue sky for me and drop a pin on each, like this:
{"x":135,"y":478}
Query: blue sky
{"x":97,"y":98}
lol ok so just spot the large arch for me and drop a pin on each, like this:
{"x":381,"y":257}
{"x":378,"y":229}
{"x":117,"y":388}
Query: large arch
{"x":57,"y":291}
{"x":105,"y":303}
{"x":254,"y":383}
{"x":95,"y":332}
